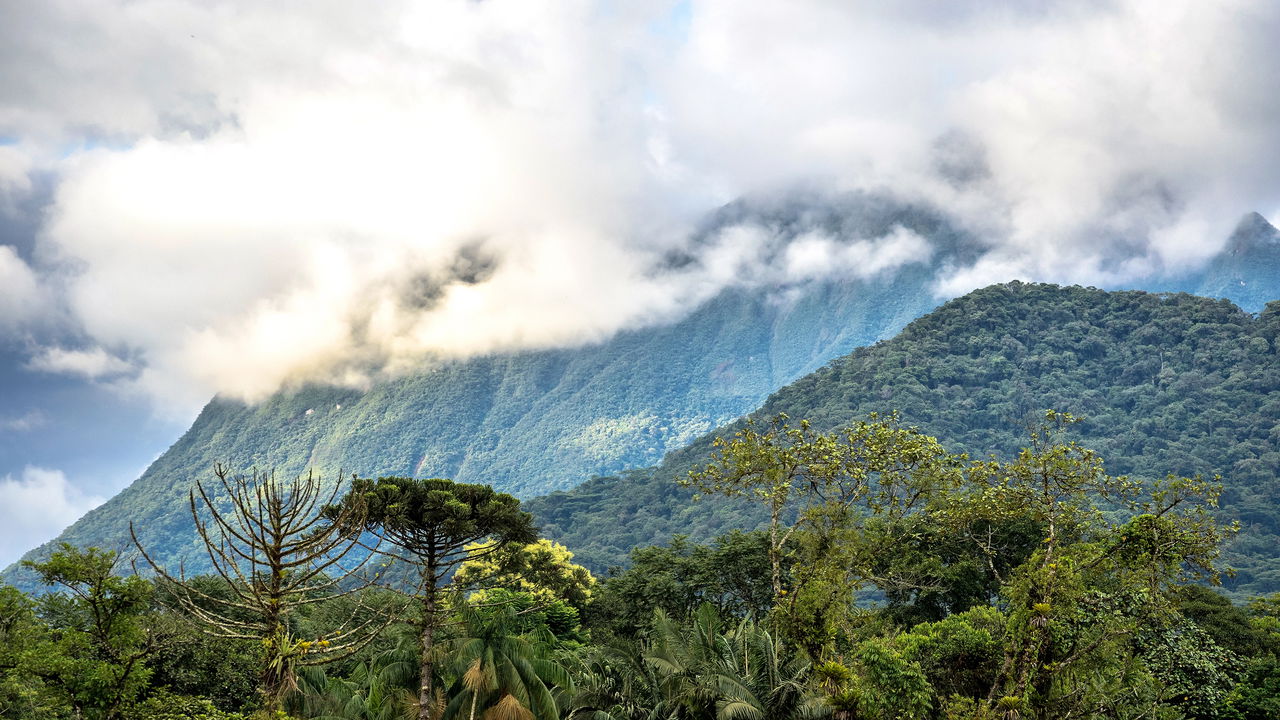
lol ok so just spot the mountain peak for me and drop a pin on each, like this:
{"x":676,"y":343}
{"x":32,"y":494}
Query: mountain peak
{"x":1254,"y":231}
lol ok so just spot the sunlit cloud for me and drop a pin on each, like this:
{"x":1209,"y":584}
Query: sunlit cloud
{"x":250,"y":195}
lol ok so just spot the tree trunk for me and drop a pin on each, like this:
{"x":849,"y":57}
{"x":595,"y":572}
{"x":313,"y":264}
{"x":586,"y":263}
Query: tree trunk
{"x":775,"y":551}
{"x":426,"y":699}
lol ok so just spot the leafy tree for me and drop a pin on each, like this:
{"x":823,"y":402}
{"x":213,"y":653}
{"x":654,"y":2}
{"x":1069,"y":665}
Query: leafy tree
{"x":772,"y":466}
{"x":1080,"y":598}
{"x":879,"y":683}
{"x":874,"y":467}
{"x":94,"y":657}
{"x":732,"y":574}
{"x":544,"y":569}
{"x":431,"y":523}
{"x":960,"y":654}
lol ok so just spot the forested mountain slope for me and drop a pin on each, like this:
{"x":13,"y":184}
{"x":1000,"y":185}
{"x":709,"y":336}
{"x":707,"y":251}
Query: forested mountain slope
{"x":535,"y":422}
{"x":1168,"y":384}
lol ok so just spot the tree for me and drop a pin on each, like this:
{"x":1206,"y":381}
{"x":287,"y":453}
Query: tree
{"x":501,"y":672}
{"x":732,"y":574}
{"x":1078,"y":601}
{"x":275,"y":552}
{"x":544,"y":569}
{"x":706,"y":669}
{"x":773,"y":466}
{"x":95,"y":656}
{"x":432,"y":523}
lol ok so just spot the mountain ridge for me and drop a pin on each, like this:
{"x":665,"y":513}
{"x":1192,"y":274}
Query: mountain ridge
{"x":539,"y":421}
{"x":1166,"y":382}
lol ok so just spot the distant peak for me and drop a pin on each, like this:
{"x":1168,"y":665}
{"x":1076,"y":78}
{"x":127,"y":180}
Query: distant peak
{"x":1253,"y":231}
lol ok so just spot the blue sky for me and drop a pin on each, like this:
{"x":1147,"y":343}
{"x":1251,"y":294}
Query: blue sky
{"x":236,"y":197}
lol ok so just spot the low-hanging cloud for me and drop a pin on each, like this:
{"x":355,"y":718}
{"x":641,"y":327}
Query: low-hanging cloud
{"x":251,"y":194}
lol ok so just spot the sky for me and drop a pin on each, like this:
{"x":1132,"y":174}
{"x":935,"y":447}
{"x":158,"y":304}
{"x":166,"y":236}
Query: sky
{"x":202,"y":197}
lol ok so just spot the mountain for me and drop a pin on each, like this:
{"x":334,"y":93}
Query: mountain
{"x":1248,"y":269}
{"x":537,"y":422}
{"x":1168,"y":383}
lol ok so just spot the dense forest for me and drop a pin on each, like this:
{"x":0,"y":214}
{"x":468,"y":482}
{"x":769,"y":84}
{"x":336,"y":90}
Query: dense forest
{"x":1164,"y":383}
{"x":894,"y":580}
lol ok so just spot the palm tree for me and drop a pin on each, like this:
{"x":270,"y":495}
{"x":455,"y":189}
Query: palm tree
{"x":380,"y":688}
{"x":614,"y":683}
{"x":501,"y":675}
{"x":700,"y":671}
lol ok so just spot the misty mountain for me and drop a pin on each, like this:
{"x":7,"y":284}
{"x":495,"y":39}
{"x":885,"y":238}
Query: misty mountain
{"x":535,"y":422}
{"x":1166,"y":384}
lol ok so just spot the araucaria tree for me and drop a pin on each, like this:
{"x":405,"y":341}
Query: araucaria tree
{"x":268,"y":540}
{"x":431,"y":523}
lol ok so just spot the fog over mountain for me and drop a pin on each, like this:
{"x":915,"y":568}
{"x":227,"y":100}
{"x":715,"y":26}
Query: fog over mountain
{"x":249,"y":194}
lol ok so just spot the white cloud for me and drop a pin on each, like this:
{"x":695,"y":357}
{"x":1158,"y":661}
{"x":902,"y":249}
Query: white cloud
{"x":818,"y":256}
{"x":36,"y":507}
{"x":92,"y":364}
{"x":19,"y":290}
{"x":253,"y":193}
{"x":22,"y":423}
{"x":15,"y":174}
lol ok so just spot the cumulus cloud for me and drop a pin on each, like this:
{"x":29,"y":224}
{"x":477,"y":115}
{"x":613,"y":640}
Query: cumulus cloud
{"x":35,"y":507}
{"x":92,"y":363}
{"x":15,"y":175}
{"x":255,"y":193}
{"x":19,"y":290}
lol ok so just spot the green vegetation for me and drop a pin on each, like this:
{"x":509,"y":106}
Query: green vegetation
{"x":1165,"y":383}
{"x":535,"y":422}
{"x":527,"y":423}
{"x":435,"y":526}
{"x":917,"y":584}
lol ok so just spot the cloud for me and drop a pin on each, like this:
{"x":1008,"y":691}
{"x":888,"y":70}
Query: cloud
{"x":15,"y":175}
{"x":818,"y":256}
{"x":36,"y":507}
{"x":92,"y":364}
{"x":22,"y":423}
{"x":252,"y":194}
{"x":19,"y":290}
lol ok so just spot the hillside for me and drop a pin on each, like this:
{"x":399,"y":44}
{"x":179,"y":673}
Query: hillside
{"x":541,"y":421}
{"x":534,"y":422}
{"x":1168,"y":383}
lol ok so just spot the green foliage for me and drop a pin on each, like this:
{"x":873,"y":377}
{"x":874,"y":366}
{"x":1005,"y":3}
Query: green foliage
{"x":92,"y":659}
{"x":1257,"y":696}
{"x":542,"y":568}
{"x":959,"y":655}
{"x":878,"y":683}
{"x":707,"y":670}
{"x":1168,"y":383}
{"x":167,"y":706}
{"x":195,"y":665}
{"x":732,"y":575}
{"x":500,"y":672}
{"x":532,"y":614}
